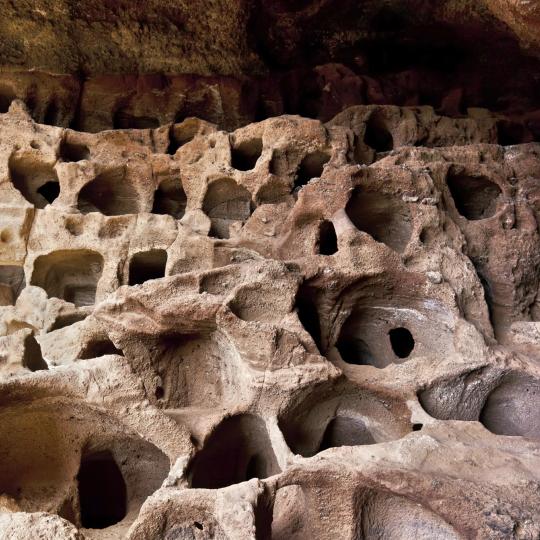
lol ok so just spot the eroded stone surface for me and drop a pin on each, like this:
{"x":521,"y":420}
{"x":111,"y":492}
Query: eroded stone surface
{"x":290,"y":330}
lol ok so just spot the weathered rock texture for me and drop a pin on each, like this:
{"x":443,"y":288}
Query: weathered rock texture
{"x":222,"y":320}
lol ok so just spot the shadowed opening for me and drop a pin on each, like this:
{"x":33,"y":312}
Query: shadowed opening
{"x":402,"y":342}
{"x":147,"y":265}
{"x":239,"y":449}
{"x":102,"y":491}
{"x":475,"y":197}
{"x":310,"y":167}
{"x":377,"y":135}
{"x":170,"y":198}
{"x":328,"y":243}
{"x":109,"y":193}
{"x":385,"y":218}
{"x":244,"y":157}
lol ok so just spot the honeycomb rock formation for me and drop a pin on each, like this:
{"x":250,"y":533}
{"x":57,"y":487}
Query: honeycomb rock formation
{"x":270,"y":270}
{"x":293,"y":330}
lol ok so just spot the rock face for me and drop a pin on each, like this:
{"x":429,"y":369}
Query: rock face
{"x":220,"y":319}
{"x":293,"y":330}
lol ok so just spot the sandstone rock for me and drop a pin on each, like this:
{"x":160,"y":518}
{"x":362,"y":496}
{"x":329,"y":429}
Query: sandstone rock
{"x":292,"y":330}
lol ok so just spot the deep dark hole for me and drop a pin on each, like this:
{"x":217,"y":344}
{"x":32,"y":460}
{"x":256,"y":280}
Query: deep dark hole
{"x":32,"y":359}
{"x":238,"y":449}
{"x":49,"y":191}
{"x":474,"y":197}
{"x":160,"y":392}
{"x":5,"y":102}
{"x":51,"y":114}
{"x":244,"y":156}
{"x":327,"y":238}
{"x":199,"y":525}
{"x":402,"y":342}
{"x":308,"y":313}
{"x":510,"y":133}
{"x":377,"y":135}
{"x":255,"y":468}
{"x":147,"y":265}
{"x":73,"y":152}
{"x":102,"y":491}
{"x":170,"y":198}
{"x":417,"y":427}
{"x":310,"y":167}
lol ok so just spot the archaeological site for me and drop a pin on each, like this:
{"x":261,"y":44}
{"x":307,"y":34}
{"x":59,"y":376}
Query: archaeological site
{"x":269,"y":269}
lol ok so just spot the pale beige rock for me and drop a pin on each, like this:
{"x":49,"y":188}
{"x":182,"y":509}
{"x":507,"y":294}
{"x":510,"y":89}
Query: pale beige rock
{"x":294,"y":330}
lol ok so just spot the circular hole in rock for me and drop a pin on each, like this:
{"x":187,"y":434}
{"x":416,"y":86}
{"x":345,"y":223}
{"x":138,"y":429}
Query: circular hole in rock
{"x":402,"y":341}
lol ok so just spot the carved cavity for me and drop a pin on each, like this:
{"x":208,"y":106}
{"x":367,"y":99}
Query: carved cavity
{"x":36,"y":181}
{"x":308,"y":313}
{"x":513,"y":408}
{"x":377,"y":134}
{"x":191,"y":370}
{"x":384,"y":328}
{"x":6,"y":97}
{"x":341,"y":418}
{"x":180,"y":134}
{"x":102,"y":491}
{"x":170,"y":198}
{"x":475,"y":197}
{"x":226,"y":204}
{"x":62,"y":457}
{"x":147,"y":265}
{"x":385,"y":218}
{"x":109,"y":193}
{"x":237,"y":450}
{"x":12,"y":282}
{"x":71,"y":275}
{"x":245,"y":155}
{"x":71,"y":151}
{"x":99,"y":347}
{"x":52,"y":114}
{"x":310,"y":167}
